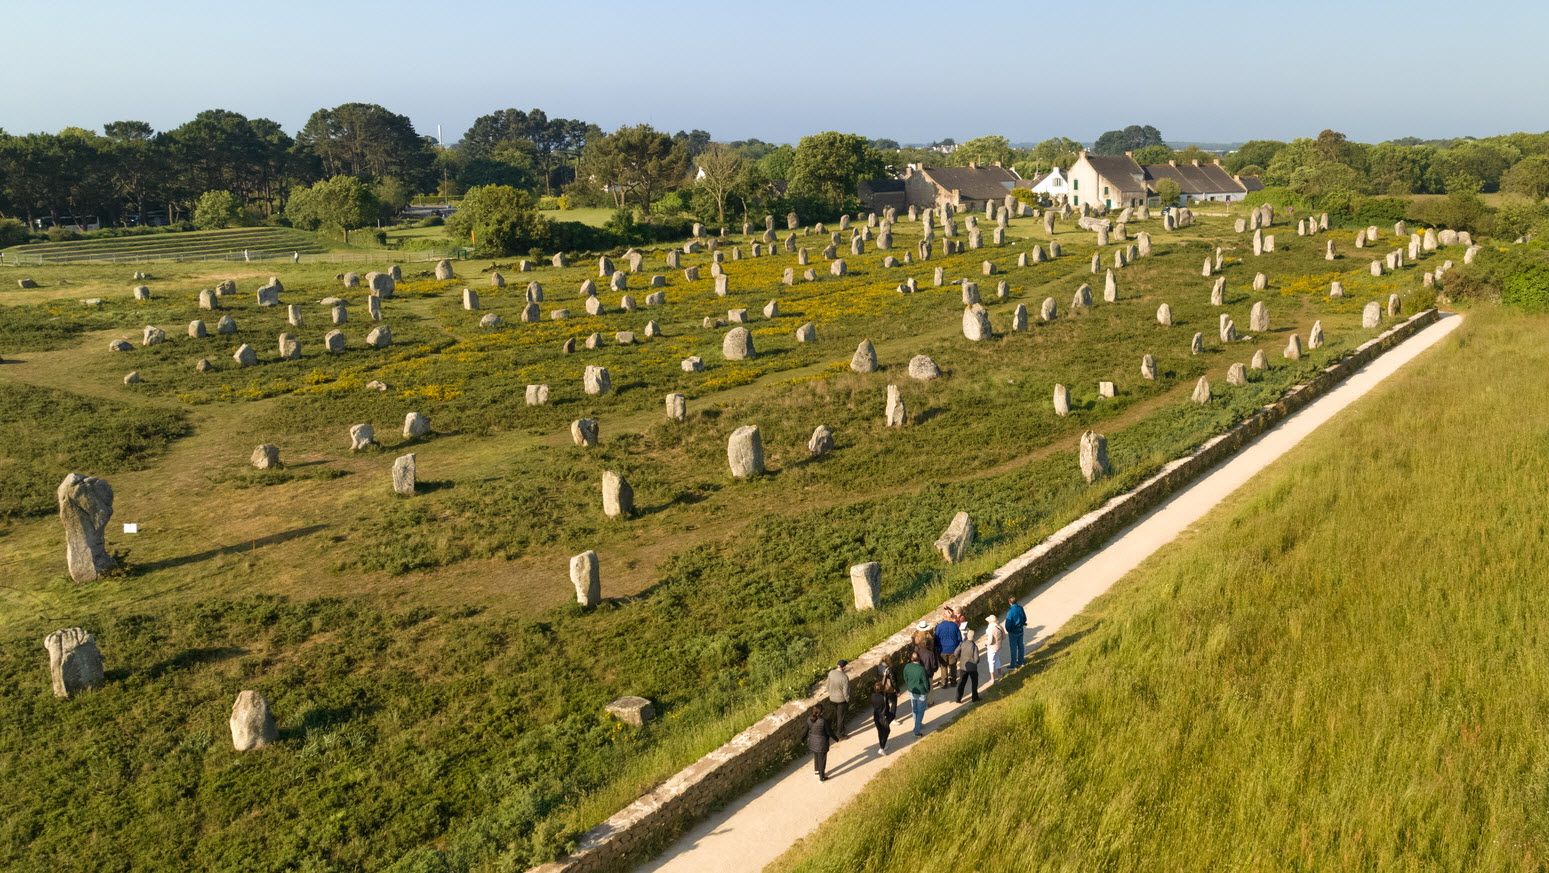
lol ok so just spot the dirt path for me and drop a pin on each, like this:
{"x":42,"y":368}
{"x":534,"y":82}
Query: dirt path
{"x":761,"y":825}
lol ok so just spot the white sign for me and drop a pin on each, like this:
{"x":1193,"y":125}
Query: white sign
{"x":131,"y":527}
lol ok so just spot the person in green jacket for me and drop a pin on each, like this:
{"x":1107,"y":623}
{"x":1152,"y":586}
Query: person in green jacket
{"x":917,"y":683}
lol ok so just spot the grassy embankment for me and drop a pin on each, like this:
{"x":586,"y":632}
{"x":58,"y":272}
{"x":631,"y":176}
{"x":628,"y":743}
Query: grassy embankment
{"x":418,"y":652}
{"x":1342,"y":668}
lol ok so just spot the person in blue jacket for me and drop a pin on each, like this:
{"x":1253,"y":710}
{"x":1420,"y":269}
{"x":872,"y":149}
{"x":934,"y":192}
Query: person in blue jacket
{"x":1016,"y":625}
{"x":948,"y":637}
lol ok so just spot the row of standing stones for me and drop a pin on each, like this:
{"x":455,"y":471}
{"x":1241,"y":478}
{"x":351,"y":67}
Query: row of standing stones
{"x":74,"y":661}
{"x":86,"y":503}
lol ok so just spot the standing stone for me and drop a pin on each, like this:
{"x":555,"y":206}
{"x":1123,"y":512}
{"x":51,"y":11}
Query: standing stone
{"x":208,"y":300}
{"x":266,"y":457}
{"x":197,"y":330}
{"x":1315,"y":336}
{"x":1258,"y":317}
{"x":677,"y":407}
{"x":1395,"y":305}
{"x":1328,"y":251}
{"x":444,"y":270}
{"x":745,"y":452}
{"x":1019,"y":318}
{"x":1227,"y":330}
{"x":290,"y":347}
{"x":838,"y":268}
{"x":1107,"y":389}
{"x":583,"y":432}
{"x":865,"y":358}
{"x":866,"y":585}
{"x":821,"y":442}
{"x":74,"y":663}
{"x":596,"y":380}
{"x":1201,"y":391}
{"x":737,"y":345}
{"x":415,"y":425}
{"x":537,"y":395}
{"x":976,"y":323}
{"x":1049,"y":310}
{"x":404,"y":475}
{"x":1260,"y":361}
{"x":806,"y":333}
{"x":618,"y":499}
{"x":252,"y":725}
{"x":1082,"y":298}
{"x":141,"y":292}
{"x":896,"y":414}
{"x":1336,"y":290}
{"x":153,"y":336}
{"x":1236,"y":374}
{"x":1164,"y":315}
{"x":970,"y":293}
{"x":585,"y":576}
{"x":1061,"y":400}
{"x":1094,"y":456}
{"x":1293,"y":348}
{"x":1218,"y":292}
{"x":1148,"y":367}
{"x":380,"y":337}
{"x":362,"y":436}
{"x":374,"y":308}
{"x":923,"y":369}
{"x":1197,"y":344}
{"x":1110,"y":288}
{"x":85,"y":507}
{"x":1371,"y":315}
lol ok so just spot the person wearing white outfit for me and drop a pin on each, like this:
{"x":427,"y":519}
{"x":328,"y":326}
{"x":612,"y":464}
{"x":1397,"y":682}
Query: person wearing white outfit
{"x":993,"y":634}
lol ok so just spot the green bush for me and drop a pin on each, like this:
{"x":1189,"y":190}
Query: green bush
{"x":12,"y":232}
{"x":1516,"y":275}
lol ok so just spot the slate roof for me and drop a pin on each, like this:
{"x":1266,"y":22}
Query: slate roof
{"x":1121,"y":171}
{"x":1251,"y":183}
{"x":974,"y":183}
{"x":1196,"y":180}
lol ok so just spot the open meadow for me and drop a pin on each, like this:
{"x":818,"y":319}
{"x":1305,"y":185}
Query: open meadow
{"x":438,"y":691}
{"x":1342,"y":667}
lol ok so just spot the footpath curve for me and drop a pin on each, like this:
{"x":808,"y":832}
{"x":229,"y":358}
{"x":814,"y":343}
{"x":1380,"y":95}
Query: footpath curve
{"x":1065,"y":573}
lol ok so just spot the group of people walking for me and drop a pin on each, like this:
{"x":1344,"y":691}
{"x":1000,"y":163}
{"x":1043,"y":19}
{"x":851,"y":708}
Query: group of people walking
{"x":946,"y":652}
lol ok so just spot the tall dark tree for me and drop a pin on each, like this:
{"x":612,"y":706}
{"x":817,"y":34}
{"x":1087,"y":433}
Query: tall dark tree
{"x":551,"y":145}
{"x":1136,"y":136}
{"x":635,"y":162}
{"x":367,"y":141}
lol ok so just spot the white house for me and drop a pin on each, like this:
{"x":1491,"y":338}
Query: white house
{"x":1052,"y":184}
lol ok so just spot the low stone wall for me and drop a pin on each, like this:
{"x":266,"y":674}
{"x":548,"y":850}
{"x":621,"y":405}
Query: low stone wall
{"x":660,"y":815}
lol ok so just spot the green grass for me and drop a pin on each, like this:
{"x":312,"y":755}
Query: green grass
{"x":1343,"y":668}
{"x":728,"y":596}
{"x":596,"y":216}
{"x":261,"y":242}
{"x":48,"y":433}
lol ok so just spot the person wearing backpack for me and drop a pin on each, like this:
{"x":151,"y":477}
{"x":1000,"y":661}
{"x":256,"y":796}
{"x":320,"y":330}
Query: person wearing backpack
{"x":917,"y":682}
{"x":1016,"y":625}
{"x":888,"y":685}
{"x":968,"y":666}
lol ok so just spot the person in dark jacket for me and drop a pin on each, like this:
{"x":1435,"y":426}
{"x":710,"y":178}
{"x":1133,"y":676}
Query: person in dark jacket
{"x":968,"y":665}
{"x":1016,"y":625}
{"x":817,"y":741}
{"x":881,"y":717}
{"x":887,"y":683}
{"x":917,"y":683}
{"x":948,"y":637}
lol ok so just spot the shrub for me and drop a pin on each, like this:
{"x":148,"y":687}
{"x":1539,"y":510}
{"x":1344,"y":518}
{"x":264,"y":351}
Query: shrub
{"x":432,"y":221}
{"x":549,"y":203}
{"x":12,"y":232}
{"x":217,"y":209}
{"x":1517,"y":276}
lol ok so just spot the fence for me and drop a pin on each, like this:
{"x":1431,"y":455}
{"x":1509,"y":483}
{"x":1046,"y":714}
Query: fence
{"x":249,"y":255}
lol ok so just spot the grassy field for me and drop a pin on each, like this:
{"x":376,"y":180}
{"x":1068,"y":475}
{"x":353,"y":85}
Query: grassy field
{"x":428,"y":667}
{"x":1342,"y":668}
{"x":596,"y":216}
{"x":260,"y":242}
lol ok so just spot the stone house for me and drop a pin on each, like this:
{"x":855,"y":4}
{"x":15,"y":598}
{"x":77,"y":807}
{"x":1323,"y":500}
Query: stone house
{"x":1113,"y":181}
{"x":967,"y":188}
{"x":877,"y":195}
{"x":1200,"y":181}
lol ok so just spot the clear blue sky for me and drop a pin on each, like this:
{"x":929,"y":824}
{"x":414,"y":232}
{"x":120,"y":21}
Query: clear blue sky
{"x":915,"y":72}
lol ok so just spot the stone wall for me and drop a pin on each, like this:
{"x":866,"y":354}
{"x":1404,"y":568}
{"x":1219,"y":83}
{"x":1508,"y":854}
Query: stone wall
{"x":656,"y":818}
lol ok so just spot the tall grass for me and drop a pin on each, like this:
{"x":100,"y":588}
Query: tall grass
{"x":1344,"y":668}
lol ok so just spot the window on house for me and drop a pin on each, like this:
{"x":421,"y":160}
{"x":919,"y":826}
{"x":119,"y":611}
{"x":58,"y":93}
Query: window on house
{"x":1075,"y":184}
{"x":1105,"y":190}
